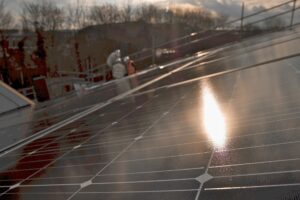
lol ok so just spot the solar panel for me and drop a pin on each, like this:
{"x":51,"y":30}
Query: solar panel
{"x":230,"y":136}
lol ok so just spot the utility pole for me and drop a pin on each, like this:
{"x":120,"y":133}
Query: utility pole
{"x":242,"y":17}
{"x":293,"y":13}
{"x":3,"y":43}
{"x":153,"y":48}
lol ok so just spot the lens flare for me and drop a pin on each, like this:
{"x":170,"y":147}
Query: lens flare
{"x":214,"y":120}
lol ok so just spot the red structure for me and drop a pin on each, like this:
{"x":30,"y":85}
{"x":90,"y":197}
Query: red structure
{"x":13,"y":68}
{"x":39,"y":56}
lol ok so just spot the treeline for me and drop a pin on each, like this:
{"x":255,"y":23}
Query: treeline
{"x":6,"y":18}
{"x":50,"y":16}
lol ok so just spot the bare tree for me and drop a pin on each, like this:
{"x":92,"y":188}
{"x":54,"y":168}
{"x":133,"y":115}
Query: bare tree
{"x":220,"y":20}
{"x":252,"y":27}
{"x":195,"y":18}
{"x":150,"y":13}
{"x":169,"y":17}
{"x":5,"y":16}
{"x":49,"y":16}
{"x":97,"y":15}
{"x":106,"y":14}
{"x":77,"y":15}
{"x":128,"y":13}
{"x":275,"y":23}
{"x":45,"y":14}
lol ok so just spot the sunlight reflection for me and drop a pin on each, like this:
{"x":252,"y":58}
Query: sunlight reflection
{"x":214,"y":120}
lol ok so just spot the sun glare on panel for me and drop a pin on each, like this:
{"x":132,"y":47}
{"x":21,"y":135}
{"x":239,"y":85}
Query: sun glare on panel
{"x":214,"y":120}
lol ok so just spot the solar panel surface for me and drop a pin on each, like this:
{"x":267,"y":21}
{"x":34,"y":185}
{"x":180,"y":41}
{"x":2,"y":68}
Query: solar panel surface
{"x":232,"y":136}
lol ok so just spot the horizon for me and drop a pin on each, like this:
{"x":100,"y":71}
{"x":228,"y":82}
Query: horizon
{"x":230,"y":8}
{"x":212,"y":5}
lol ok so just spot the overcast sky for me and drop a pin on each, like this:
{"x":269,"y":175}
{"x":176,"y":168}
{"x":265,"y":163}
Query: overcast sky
{"x":228,"y":7}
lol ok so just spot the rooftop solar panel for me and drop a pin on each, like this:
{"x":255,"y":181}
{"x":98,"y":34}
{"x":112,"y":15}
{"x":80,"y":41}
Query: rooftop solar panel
{"x":231,"y":136}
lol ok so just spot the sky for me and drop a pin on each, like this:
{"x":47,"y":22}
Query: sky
{"x":228,"y":7}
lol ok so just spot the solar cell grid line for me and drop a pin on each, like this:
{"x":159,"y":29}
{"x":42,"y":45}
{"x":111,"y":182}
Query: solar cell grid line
{"x":149,"y":148}
{"x":130,"y":128}
{"x":183,"y":135}
{"x":71,"y":157}
{"x":259,"y":146}
{"x":81,"y":136}
{"x":150,"y":172}
{"x":253,"y":187}
{"x":276,"y":124}
{"x":291,"y":100}
{"x":126,"y":115}
{"x":274,"y":177}
{"x":84,"y":177}
{"x":266,"y":122}
{"x":84,"y":149}
{"x":258,"y":174}
{"x":255,"y":163}
{"x":264,"y":116}
{"x":78,"y":178}
{"x":80,"y":147}
{"x":55,"y":149}
{"x":208,"y":141}
{"x":90,"y":182}
{"x":135,"y":173}
{"x":232,"y":140}
{"x":144,"y":181}
{"x":269,"y":117}
{"x":57,"y":166}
